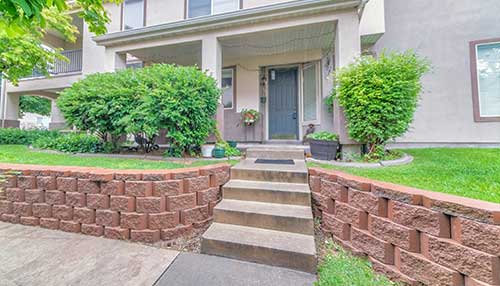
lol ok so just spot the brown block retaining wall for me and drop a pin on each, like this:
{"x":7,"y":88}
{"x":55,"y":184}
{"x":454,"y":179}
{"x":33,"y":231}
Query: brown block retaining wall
{"x":138,"y":205}
{"x":413,"y":236}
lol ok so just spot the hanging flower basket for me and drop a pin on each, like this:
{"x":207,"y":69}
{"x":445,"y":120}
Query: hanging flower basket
{"x":249,"y":116}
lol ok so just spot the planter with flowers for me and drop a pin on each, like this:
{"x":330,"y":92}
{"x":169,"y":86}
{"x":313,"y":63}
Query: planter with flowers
{"x":249,"y":116}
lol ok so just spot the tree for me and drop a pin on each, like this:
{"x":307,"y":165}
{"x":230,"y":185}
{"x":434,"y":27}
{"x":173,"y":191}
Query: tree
{"x":34,"y":104}
{"x":379,"y":97}
{"x":23,"y":24}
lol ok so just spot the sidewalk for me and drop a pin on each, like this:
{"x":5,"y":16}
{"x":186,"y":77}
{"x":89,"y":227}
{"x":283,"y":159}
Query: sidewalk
{"x":37,"y":256}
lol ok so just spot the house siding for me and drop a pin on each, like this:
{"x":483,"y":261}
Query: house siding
{"x":441,"y":31}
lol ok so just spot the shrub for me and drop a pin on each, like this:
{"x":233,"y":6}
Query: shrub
{"x":17,"y":136}
{"x":379,"y":96}
{"x":324,"y":136}
{"x":182,"y":100}
{"x":72,"y":143}
{"x":98,"y":103}
{"x":34,"y":104}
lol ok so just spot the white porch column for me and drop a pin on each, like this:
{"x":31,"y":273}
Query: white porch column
{"x":56,"y":118}
{"x":10,"y":110}
{"x":211,"y":55}
{"x":114,"y":61}
{"x":347,"y":47}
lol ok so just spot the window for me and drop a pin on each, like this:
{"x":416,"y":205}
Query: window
{"x":198,"y":8}
{"x":228,"y":88}
{"x":486,"y":80}
{"x":310,"y":93}
{"x":133,"y":14}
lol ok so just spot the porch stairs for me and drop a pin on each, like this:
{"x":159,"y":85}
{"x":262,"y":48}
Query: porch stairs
{"x":265,"y":215}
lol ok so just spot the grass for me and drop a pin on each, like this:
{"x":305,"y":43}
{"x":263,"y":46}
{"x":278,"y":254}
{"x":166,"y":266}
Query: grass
{"x":23,"y":155}
{"x":467,"y":172}
{"x":340,"y":268}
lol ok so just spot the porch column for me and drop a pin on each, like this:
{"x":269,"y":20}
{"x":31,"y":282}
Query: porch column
{"x":347,"y":47}
{"x":211,"y":62}
{"x":10,"y":111}
{"x":56,"y":118}
{"x":114,"y":61}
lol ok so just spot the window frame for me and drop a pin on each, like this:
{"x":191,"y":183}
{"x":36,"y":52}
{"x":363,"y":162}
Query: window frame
{"x":233,"y":72}
{"x":186,"y":9}
{"x":473,"y":45}
{"x":122,"y":15}
{"x":316,"y":121}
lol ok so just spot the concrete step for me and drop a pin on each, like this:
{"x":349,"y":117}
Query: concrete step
{"x":275,"y":153}
{"x":284,"y":249}
{"x":270,"y":192}
{"x":290,"y":218}
{"x":251,"y":171}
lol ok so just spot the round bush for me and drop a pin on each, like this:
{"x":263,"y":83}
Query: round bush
{"x":379,"y":96}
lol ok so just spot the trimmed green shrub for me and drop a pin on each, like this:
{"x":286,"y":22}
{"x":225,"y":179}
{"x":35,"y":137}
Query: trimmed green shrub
{"x":72,"y":143}
{"x":379,"y":97}
{"x":182,"y":100}
{"x":98,"y":103}
{"x":17,"y":136}
{"x":323,"y":135}
{"x":34,"y":104}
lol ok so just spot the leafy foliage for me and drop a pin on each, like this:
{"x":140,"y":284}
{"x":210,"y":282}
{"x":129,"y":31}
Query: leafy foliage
{"x":182,"y":100}
{"x":24,"y":23}
{"x":34,"y":104}
{"x":323,"y":135}
{"x":380,"y":96}
{"x":72,"y":142}
{"x":340,"y":268}
{"x":99,"y":102}
{"x":24,"y":137}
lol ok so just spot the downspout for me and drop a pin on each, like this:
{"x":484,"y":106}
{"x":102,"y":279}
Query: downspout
{"x":3,"y":96}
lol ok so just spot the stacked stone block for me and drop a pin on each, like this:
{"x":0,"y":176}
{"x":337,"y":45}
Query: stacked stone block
{"x":413,"y":236}
{"x":145,"y":206}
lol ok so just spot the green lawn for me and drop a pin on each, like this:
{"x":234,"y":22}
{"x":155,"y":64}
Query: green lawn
{"x":466,"y":172}
{"x":340,"y":268}
{"x":23,"y":155}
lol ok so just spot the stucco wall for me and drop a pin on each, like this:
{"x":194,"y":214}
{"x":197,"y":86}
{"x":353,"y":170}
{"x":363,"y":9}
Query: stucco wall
{"x":441,"y":31}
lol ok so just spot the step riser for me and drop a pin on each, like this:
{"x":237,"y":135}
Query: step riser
{"x":275,"y":154}
{"x":267,"y":196}
{"x":269,"y":176}
{"x":293,"y":260}
{"x":287,"y":224}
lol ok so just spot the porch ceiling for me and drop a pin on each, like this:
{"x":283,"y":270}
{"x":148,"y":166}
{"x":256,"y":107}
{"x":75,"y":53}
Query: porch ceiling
{"x":182,"y":54}
{"x":280,"y":41}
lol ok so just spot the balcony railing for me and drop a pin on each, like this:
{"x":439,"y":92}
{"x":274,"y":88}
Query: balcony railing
{"x":63,"y":67}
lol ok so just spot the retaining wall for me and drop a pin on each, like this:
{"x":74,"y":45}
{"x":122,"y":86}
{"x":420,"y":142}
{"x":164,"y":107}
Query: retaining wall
{"x":140,"y":205}
{"x":414,"y":236}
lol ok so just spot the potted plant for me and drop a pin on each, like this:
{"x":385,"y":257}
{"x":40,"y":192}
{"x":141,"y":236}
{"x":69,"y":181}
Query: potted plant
{"x":250,"y":116}
{"x":219,"y":151}
{"x":324,"y":145}
{"x":207,"y":150}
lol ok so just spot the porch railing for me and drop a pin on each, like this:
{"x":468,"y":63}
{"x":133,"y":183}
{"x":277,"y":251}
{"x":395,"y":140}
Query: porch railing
{"x":62,"y":67}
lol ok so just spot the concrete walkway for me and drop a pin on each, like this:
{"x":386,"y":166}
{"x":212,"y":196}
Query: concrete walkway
{"x":37,"y":256}
{"x":191,"y":269}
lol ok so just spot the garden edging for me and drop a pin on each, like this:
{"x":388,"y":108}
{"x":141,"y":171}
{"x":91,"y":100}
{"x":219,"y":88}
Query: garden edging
{"x":406,"y":159}
{"x":410,"y":235}
{"x":140,"y":205}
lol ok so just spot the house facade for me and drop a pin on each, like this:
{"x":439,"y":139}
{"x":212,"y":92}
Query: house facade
{"x":277,"y":57}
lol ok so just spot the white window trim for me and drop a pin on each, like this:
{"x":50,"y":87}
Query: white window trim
{"x":143,"y":15}
{"x":479,"y":82}
{"x":317,"y":121}
{"x":233,"y":86}
{"x":211,"y":9}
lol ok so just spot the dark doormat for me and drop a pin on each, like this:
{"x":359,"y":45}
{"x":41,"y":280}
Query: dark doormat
{"x":274,"y":161}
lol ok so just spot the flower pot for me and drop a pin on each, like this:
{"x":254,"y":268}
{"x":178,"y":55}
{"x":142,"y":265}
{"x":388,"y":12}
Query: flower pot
{"x":218,"y":152}
{"x":206,"y":151}
{"x":232,"y":143}
{"x":324,"y":150}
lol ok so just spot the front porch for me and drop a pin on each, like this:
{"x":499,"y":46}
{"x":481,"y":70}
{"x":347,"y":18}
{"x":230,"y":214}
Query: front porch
{"x":280,"y":67}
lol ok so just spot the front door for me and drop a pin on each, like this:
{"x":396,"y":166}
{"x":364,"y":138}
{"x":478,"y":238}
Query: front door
{"x":283,"y":94}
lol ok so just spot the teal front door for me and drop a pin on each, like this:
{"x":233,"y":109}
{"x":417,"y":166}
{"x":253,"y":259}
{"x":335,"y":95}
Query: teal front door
{"x":283,"y":95}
